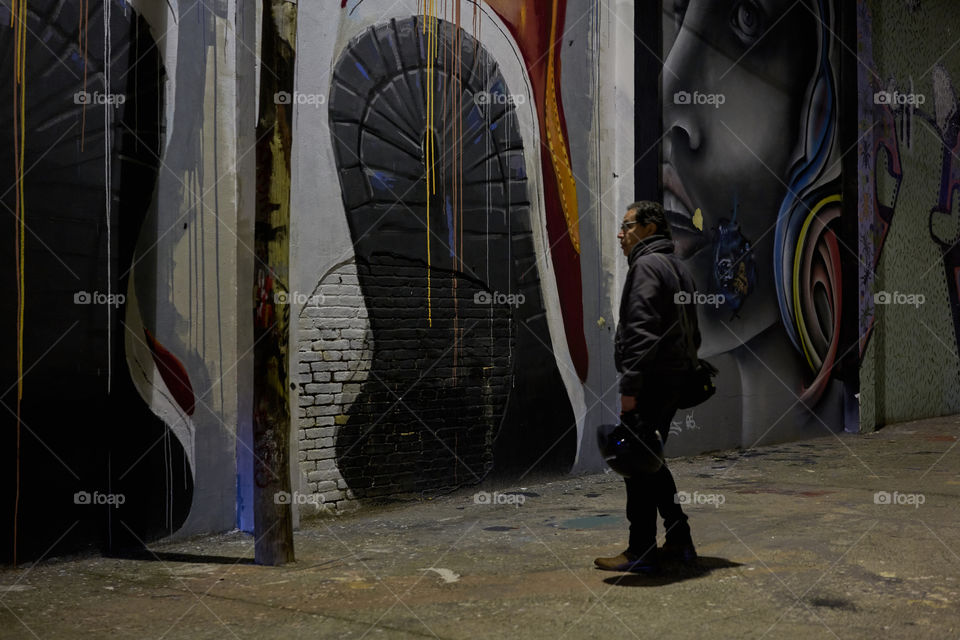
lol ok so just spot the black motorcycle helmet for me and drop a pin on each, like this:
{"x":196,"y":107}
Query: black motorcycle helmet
{"x":629,"y":448}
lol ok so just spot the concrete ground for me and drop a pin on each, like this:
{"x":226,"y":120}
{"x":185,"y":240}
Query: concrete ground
{"x":796,"y":542}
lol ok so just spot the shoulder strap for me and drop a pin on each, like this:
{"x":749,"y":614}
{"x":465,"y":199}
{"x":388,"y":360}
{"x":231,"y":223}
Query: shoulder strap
{"x":691,"y":347}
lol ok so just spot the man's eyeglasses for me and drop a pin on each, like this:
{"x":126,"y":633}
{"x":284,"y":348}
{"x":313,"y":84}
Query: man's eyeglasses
{"x":626,"y":225}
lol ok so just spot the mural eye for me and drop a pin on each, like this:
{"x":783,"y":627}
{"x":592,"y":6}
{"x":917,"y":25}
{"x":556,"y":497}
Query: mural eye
{"x":748,"y":21}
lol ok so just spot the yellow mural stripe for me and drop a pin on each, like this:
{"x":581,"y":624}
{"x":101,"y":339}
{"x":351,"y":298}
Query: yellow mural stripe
{"x":566,"y":186}
{"x":805,"y":341}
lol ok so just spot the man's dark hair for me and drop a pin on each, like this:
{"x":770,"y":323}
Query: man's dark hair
{"x":647,"y":212}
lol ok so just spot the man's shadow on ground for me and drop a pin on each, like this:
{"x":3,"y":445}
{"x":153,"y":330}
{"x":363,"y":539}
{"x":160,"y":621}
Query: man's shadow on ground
{"x":671,"y":572}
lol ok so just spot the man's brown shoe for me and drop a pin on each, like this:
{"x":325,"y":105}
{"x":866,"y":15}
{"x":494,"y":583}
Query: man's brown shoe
{"x":627,"y":561}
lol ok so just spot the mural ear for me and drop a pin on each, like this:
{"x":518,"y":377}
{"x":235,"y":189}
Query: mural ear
{"x":817,"y":291}
{"x":803,"y":198}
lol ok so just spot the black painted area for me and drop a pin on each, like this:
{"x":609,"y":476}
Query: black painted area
{"x":847,"y":367}
{"x":76,"y":435}
{"x":648,"y":106}
{"x":458,"y":388}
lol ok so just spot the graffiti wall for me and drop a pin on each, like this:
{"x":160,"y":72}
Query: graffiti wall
{"x":118,"y":359}
{"x":442,"y":323}
{"x":431,"y":188}
{"x":751,"y":183}
{"x":458,"y":174}
{"x":909,"y":122}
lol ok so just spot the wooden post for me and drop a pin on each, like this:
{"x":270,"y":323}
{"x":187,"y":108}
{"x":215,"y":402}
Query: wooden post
{"x":272,"y":515}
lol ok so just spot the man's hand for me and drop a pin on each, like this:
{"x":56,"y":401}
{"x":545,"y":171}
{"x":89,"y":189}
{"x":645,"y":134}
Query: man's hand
{"x":628,"y":403}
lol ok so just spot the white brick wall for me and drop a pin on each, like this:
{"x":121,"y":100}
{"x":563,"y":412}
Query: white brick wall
{"x":334,"y":354}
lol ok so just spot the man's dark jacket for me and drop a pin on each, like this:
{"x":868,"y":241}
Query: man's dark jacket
{"x":650,"y":342}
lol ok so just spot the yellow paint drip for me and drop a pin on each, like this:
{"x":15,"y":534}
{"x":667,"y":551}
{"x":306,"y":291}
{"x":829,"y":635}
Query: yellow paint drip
{"x":698,"y":219}
{"x":18,"y":21}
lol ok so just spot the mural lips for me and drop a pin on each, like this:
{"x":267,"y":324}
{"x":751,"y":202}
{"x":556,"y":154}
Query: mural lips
{"x":679,"y":210}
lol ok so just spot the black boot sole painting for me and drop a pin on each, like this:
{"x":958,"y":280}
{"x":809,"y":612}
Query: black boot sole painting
{"x":461,"y":378}
{"x":87,"y":436}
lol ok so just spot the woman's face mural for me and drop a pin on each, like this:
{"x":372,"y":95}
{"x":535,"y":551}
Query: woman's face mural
{"x":737,"y":82}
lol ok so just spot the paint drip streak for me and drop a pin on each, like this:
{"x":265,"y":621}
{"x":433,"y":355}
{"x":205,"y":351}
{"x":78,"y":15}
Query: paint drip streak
{"x":108,"y":180}
{"x":455,"y":97}
{"x":449,"y":62}
{"x":451,"y":206}
{"x":428,"y":152}
{"x":458,"y":163}
{"x":18,"y":21}
{"x":84,"y":21}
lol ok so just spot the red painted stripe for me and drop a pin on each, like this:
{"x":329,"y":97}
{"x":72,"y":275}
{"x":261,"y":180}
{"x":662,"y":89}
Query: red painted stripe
{"x":174,"y":374}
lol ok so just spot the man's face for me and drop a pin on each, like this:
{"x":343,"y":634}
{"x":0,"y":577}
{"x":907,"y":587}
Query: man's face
{"x":632,"y":232}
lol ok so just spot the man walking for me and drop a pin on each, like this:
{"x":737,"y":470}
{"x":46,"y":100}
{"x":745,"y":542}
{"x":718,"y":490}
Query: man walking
{"x":651,"y":344}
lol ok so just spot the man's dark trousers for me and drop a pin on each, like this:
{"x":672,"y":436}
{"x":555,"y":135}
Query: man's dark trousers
{"x":647,"y":494}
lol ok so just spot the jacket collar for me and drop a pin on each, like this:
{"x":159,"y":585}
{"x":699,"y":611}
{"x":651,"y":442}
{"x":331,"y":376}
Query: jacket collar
{"x":657,"y":243}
